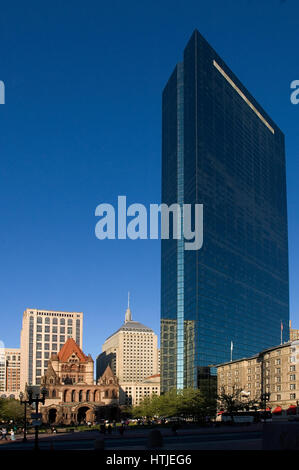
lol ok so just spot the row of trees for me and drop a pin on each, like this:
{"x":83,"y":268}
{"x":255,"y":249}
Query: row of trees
{"x":193,"y":403}
{"x":187,"y":403}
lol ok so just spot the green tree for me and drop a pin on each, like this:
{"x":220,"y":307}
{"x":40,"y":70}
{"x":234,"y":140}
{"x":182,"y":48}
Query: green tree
{"x":188,"y":403}
{"x":11,"y":409}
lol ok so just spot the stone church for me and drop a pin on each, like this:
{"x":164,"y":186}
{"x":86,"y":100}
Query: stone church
{"x":73,"y":395}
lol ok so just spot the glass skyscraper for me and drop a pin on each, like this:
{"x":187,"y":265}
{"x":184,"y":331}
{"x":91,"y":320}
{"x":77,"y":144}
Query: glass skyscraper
{"x":222,"y":150}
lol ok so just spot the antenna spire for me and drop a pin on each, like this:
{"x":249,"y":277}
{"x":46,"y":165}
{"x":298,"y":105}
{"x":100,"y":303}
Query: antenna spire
{"x":128,"y":316}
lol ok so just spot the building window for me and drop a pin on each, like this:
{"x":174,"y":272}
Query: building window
{"x":292,"y":396}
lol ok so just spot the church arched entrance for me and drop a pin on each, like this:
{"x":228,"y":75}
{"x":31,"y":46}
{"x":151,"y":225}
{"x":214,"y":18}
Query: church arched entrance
{"x":84,"y":414}
{"x":52,"y":415}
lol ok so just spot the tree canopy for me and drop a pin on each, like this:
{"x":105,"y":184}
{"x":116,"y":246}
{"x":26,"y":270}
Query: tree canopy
{"x":235,"y":401}
{"x":11,"y":409}
{"x":187,"y":403}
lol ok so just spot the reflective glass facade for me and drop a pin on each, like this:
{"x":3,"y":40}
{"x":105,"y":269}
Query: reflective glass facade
{"x":222,"y":150}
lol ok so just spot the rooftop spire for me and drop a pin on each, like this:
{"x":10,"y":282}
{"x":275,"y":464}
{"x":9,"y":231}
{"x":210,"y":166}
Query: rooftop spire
{"x":128,"y":316}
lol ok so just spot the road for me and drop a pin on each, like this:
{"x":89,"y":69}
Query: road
{"x":229,"y":440}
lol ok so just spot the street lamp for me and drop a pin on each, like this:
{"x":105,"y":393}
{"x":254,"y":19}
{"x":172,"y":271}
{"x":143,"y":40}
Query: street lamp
{"x":265,"y":397}
{"x":25,"y":403}
{"x":33,"y":394}
{"x":34,"y":397}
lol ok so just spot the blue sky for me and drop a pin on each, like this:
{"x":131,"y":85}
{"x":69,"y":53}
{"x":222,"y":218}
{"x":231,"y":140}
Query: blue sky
{"x":82,"y":125}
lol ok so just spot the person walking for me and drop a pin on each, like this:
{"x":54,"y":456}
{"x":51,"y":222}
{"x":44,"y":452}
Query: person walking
{"x":4,"y":434}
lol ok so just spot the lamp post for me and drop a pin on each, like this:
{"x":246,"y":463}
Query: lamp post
{"x":33,"y":394}
{"x":25,"y":403}
{"x":265,"y":397}
{"x":34,"y":397}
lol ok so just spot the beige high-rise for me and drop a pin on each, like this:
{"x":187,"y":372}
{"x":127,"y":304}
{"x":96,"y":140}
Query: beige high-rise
{"x":13,"y":368}
{"x":131,"y":352}
{"x":44,"y":332}
{"x":9,"y":371}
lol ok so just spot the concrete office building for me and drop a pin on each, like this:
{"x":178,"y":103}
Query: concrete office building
{"x":44,"y":332}
{"x":131,"y":352}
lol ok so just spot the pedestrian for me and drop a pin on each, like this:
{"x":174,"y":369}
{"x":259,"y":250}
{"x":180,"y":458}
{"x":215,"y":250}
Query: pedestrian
{"x":3,"y":434}
{"x":109,"y":429}
{"x":121,"y":430}
{"x":12,"y":435}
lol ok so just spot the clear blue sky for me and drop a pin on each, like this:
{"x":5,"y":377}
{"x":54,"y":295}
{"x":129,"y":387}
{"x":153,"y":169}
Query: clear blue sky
{"x":82,"y":125}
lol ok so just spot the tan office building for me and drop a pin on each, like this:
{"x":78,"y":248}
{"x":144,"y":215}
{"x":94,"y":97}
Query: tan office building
{"x":13,"y":368}
{"x":2,"y":369}
{"x":10,"y":364}
{"x":294,"y":334}
{"x":274,"y":370}
{"x":132,"y":353}
{"x":44,"y":332}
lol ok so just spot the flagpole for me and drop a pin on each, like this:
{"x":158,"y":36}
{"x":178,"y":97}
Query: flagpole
{"x":231,"y":351}
{"x":281,"y":329}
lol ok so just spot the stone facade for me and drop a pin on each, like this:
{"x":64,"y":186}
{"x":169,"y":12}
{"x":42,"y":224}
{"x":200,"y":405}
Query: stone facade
{"x":132,"y":393}
{"x":274,"y":370}
{"x":73,"y":396}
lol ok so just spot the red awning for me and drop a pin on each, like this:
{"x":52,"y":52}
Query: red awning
{"x":277,"y":409}
{"x":292,"y":409}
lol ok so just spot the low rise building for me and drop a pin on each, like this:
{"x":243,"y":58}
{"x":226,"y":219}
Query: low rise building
{"x":132,"y":393}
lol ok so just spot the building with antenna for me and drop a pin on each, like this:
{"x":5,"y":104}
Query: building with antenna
{"x":132,"y":353}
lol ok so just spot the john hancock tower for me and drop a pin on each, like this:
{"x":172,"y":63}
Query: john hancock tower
{"x":221,"y":149}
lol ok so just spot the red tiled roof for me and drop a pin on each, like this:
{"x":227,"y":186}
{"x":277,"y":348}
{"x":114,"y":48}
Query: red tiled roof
{"x":69,"y":348}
